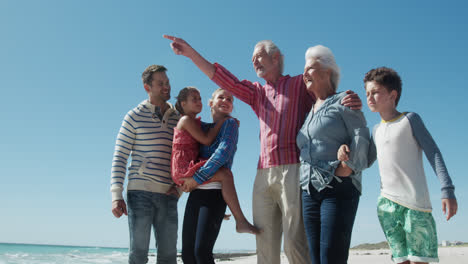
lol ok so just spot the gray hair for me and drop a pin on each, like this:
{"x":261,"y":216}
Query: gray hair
{"x":271,"y":49}
{"x":325,"y":57}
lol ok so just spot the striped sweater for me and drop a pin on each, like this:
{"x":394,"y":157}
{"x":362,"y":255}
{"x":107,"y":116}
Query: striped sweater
{"x":147,"y":140}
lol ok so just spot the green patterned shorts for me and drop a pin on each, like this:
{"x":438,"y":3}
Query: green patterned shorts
{"x":411,"y":234}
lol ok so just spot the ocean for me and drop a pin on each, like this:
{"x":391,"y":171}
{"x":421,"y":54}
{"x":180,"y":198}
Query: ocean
{"x":11,"y":253}
{"x":52,"y":254}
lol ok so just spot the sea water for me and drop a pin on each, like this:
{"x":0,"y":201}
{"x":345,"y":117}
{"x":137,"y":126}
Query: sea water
{"x":51,"y":254}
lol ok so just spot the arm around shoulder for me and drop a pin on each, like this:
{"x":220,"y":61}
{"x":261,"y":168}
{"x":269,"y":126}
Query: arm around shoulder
{"x":352,"y":100}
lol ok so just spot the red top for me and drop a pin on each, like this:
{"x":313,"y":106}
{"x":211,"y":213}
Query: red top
{"x":184,"y":159}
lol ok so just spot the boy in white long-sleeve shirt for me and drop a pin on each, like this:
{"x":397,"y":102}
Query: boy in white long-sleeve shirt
{"x":404,"y":207}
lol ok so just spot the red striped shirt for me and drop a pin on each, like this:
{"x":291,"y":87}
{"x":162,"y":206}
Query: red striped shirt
{"x":281,"y":109}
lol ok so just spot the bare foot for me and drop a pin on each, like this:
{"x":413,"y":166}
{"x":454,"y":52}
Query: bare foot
{"x":246,"y":227}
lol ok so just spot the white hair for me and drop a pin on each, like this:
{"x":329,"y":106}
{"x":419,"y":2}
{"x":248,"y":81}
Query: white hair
{"x":324,"y":56}
{"x":271,"y":49}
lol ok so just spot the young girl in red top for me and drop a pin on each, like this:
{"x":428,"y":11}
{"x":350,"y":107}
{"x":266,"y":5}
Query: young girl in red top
{"x":188,"y":134}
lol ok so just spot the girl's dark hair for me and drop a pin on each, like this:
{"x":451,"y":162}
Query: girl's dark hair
{"x":183,"y":96}
{"x":386,"y":77}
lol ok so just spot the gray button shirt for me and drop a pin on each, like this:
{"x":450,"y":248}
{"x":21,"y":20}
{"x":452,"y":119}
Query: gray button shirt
{"x":320,"y":137}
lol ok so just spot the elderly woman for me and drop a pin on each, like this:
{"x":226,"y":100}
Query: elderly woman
{"x":330,"y":187}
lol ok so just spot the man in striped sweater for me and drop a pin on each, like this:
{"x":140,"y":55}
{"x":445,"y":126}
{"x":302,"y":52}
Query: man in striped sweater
{"x":281,"y":105}
{"x":146,"y":137}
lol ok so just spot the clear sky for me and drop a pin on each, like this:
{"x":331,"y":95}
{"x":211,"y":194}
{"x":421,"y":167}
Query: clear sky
{"x":70,"y":70}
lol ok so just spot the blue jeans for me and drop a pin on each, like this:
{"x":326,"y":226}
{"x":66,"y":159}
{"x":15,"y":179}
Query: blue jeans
{"x":328,"y":220}
{"x":146,"y":209}
{"x":204,"y":214}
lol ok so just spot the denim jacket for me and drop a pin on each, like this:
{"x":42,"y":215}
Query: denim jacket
{"x":321,"y":136}
{"x":220,"y":153}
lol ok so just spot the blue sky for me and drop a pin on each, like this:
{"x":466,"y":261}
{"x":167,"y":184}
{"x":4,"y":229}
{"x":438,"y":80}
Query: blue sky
{"x":69,"y":71}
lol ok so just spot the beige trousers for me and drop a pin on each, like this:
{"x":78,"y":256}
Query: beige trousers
{"x":277,"y":209}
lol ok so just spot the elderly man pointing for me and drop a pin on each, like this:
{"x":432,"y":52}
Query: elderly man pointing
{"x":281,"y":105}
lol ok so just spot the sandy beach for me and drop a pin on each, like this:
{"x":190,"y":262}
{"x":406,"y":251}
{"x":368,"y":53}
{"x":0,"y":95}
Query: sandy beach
{"x":447,"y":255}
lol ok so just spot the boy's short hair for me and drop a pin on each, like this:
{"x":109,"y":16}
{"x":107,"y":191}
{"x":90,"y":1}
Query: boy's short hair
{"x":147,"y":75}
{"x":386,"y":77}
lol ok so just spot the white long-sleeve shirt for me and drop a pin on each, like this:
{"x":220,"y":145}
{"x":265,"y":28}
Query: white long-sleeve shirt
{"x":400,"y":143}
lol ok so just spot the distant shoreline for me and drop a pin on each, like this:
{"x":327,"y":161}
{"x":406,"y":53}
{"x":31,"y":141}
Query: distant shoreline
{"x":218,"y":254}
{"x":56,"y":245}
{"x":384,"y":245}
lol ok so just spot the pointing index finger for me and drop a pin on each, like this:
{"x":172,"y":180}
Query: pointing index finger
{"x":169,"y":37}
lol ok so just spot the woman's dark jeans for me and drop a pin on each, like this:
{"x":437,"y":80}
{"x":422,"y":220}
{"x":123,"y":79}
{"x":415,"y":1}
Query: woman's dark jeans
{"x":204,"y":214}
{"x":328,"y":220}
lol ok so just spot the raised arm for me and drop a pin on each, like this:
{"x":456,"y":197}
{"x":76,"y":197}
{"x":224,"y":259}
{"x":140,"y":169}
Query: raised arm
{"x":245,"y":90}
{"x":181,"y":47}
